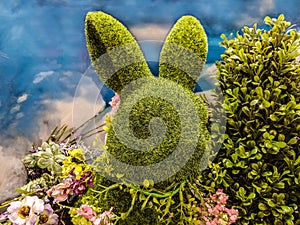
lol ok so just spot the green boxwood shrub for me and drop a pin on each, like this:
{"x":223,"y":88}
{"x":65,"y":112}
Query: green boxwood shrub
{"x":258,"y":165}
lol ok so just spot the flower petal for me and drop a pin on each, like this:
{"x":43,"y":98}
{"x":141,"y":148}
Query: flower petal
{"x":48,"y":209}
{"x":29,"y":200}
{"x":15,"y":219}
{"x":32,"y":219}
{"x":14,"y":206}
{"x":38,"y":206}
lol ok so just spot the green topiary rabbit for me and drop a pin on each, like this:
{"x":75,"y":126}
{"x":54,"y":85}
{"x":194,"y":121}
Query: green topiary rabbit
{"x":120,"y":63}
{"x":160,"y":130}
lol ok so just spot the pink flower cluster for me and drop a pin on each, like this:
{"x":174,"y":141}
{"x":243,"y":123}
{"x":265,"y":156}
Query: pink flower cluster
{"x":115,"y":102}
{"x":103,"y":219}
{"x":214,"y":212}
{"x":69,"y":186}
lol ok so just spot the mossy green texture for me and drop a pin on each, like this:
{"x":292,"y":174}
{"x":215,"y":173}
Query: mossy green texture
{"x":120,"y":63}
{"x":114,"y":52}
{"x":258,"y":165}
{"x":140,"y":116}
{"x":184,"y":52}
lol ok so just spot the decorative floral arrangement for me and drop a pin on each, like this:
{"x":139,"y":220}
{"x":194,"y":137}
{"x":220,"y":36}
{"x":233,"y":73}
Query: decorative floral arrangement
{"x":59,"y":175}
{"x":68,"y":183}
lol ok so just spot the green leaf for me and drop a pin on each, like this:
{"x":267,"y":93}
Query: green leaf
{"x":297,"y":162}
{"x":46,"y":155}
{"x":293,"y":141}
{"x":227,"y":163}
{"x":286,"y":209}
{"x":253,"y":151}
{"x":280,"y":144}
{"x":259,"y":91}
{"x":273,"y":117}
{"x":146,"y":183}
{"x":252,"y":195}
{"x":279,"y":185}
{"x":44,"y":163}
{"x":281,"y":137}
{"x":254,"y":102}
{"x":155,"y":200}
{"x":271,"y":203}
{"x":262,"y":206}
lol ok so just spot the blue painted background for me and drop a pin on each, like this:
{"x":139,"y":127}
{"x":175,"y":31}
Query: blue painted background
{"x":43,"y":53}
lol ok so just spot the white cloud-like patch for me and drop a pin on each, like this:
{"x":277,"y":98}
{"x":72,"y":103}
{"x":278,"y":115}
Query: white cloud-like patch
{"x":42,"y":75}
{"x":3,"y":55}
{"x":266,"y":6}
{"x":150,"y":31}
{"x":22,"y":98}
{"x":15,"y":109}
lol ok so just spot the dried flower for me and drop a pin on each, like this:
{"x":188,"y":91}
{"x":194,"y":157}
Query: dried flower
{"x":61,"y":191}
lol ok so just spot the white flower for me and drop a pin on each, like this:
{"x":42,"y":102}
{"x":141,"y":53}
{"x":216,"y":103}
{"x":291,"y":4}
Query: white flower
{"x":25,"y":212}
{"x":47,"y":217}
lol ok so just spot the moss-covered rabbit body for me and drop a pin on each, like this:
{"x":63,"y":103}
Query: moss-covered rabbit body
{"x":160,"y":130}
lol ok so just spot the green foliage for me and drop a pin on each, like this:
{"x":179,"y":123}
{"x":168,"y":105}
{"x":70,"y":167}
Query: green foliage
{"x":184,"y":52}
{"x":259,"y":162}
{"x":145,"y":205}
{"x":50,"y":157}
{"x":114,"y":52}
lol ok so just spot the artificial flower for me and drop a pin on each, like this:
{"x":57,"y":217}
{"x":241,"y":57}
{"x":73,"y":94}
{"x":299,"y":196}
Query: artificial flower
{"x":214,"y":212}
{"x":115,"y":102}
{"x":61,"y":191}
{"x":25,"y":212}
{"x":86,"y":211}
{"x":47,"y":217}
{"x":77,"y":154}
{"x":104,"y":218}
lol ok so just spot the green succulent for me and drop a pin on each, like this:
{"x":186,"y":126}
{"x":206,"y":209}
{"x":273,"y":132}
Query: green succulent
{"x":49,"y":157}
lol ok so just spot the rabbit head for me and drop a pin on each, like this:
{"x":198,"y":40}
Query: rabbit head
{"x":160,"y":130}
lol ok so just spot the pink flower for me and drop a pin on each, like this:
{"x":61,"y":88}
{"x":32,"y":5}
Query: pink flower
{"x":115,"y":102}
{"x":25,"y":212}
{"x":233,"y":215}
{"x":219,"y":197}
{"x":86,"y":211}
{"x":214,"y":212}
{"x":104,"y":218}
{"x":61,"y":192}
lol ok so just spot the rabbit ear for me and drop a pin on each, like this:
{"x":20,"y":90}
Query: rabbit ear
{"x":114,"y":52}
{"x":184,"y":52}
